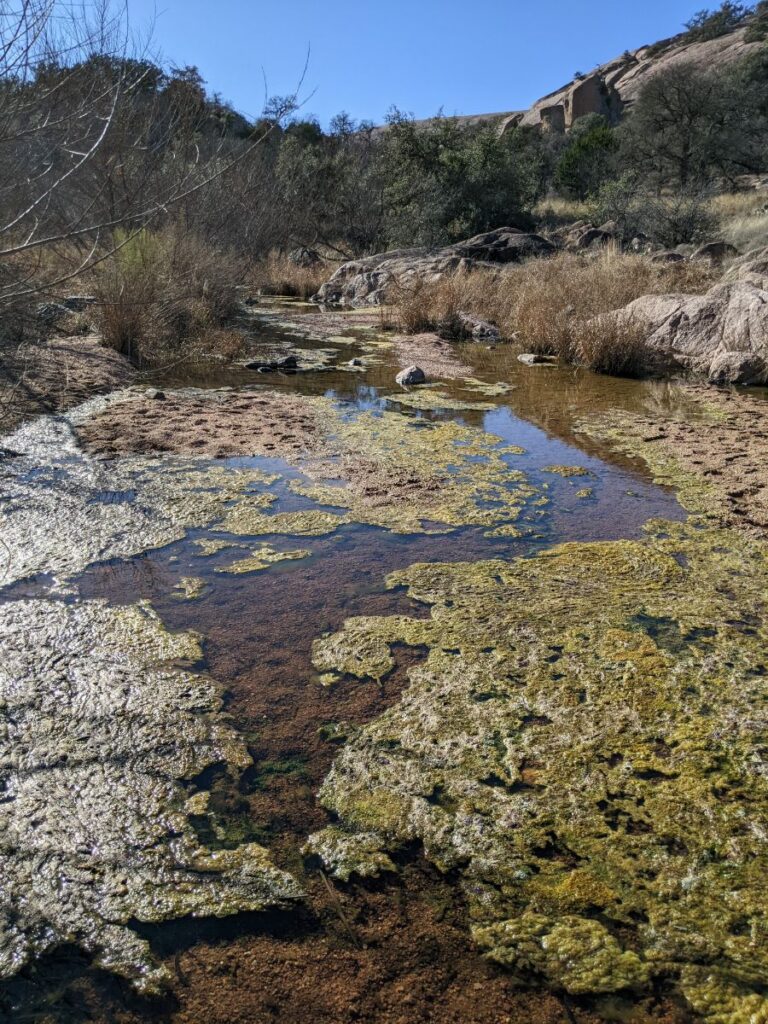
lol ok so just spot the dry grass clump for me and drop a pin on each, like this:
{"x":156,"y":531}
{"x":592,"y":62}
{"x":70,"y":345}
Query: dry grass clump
{"x":738,"y":204}
{"x":622,"y":351}
{"x":747,"y":232}
{"x":742,"y":218}
{"x":168,"y":294}
{"x":276,"y":274}
{"x":557,"y":211}
{"x":430,"y":305}
{"x":556,"y":306}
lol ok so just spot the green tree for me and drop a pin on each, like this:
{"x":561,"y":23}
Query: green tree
{"x":446,"y":181}
{"x":590,"y":158}
{"x":711,"y":24}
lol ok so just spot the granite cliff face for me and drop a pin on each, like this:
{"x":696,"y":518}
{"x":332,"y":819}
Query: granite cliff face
{"x":613,"y":87}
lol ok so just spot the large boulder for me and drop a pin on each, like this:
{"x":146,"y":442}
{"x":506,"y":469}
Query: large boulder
{"x":504,"y":245}
{"x":378,"y":280}
{"x":698,"y":331}
{"x":752,"y":267}
{"x":715,"y":252}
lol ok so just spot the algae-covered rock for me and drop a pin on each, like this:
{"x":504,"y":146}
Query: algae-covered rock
{"x":585,"y":744}
{"x":101,"y":736}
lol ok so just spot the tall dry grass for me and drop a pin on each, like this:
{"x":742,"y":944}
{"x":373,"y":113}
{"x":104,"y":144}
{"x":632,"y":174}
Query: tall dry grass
{"x":558,"y":211}
{"x":276,"y":274}
{"x":556,"y":306}
{"x":742,"y":218}
{"x":167,"y":294}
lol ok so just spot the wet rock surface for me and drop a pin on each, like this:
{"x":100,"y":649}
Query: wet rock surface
{"x":101,"y":738}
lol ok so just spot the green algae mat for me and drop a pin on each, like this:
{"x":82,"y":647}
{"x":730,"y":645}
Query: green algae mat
{"x":585,"y":744}
{"x":104,"y":736}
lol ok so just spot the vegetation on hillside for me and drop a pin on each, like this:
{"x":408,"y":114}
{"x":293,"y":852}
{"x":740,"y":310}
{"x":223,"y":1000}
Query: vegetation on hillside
{"x":128,"y":180}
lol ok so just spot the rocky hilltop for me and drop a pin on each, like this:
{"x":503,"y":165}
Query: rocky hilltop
{"x":613,"y":87}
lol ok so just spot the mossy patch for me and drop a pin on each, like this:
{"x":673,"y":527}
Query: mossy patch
{"x":601,"y":789}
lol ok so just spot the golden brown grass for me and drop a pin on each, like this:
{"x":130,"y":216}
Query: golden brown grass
{"x":557,"y":211}
{"x":277,"y":275}
{"x":556,"y":306}
{"x":742,"y":218}
{"x":169,"y":294}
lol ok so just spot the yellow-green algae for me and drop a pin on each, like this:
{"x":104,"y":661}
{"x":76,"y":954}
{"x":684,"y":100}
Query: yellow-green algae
{"x":101,"y":734}
{"x":189,"y":588}
{"x":628,"y":433}
{"x":62,"y":510}
{"x":247,"y":521}
{"x":586,"y":743}
{"x":482,"y":387}
{"x":434,"y":400}
{"x":263,"y":558}
{"x":566,"y":471}
{"x":212,"y":547}
{"x":415,"y":477}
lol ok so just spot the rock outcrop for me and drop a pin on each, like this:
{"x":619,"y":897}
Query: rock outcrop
{"x":376,"y":280}
{"x":613,"y":87}
{"x":723,"y":334}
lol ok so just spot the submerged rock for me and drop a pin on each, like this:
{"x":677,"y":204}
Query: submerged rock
{"x":536,"y":359}
{"x":101,"y":739}
{"x":584,"y":744}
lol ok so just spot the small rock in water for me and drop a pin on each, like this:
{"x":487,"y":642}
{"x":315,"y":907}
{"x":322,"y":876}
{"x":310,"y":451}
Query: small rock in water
{"x":536,"y":359}
{"x":355,"y":362}
{"x":154,"y":394}
{"x":411,"y":375}
{"x":269,"y":365}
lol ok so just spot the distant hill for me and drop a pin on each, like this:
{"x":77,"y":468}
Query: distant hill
{"x":612,"y":88}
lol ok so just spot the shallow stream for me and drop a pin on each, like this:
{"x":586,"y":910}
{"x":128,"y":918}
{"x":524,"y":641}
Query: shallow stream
{"x":395,"y":948}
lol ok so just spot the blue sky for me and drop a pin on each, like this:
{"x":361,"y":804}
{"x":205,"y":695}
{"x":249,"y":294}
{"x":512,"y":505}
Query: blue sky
{"x":466,"y":56}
